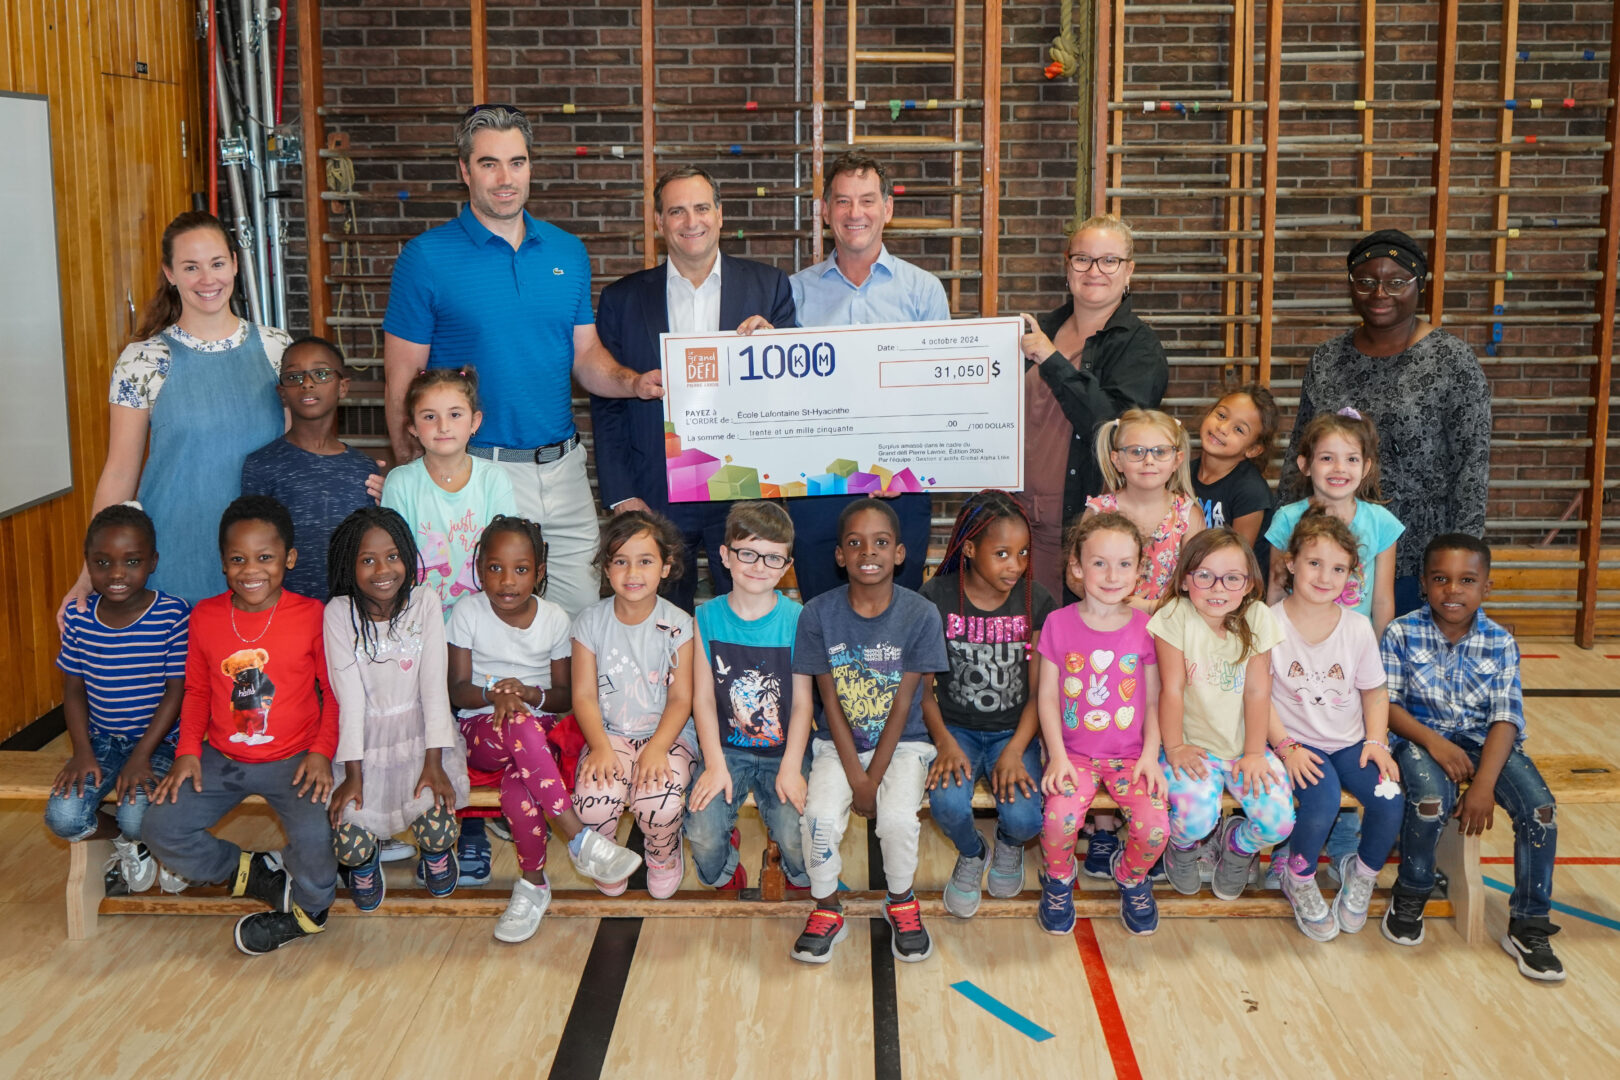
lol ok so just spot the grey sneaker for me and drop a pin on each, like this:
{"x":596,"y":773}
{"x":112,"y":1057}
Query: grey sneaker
{"x":138,"y":867}
{"x":1311,"y":912}
{"x":1350,"y":906}
{"x":1181,"y":867}
{"x":962,"y":891}
{"x":1006,"y":870}
{"x":1232,"y":869}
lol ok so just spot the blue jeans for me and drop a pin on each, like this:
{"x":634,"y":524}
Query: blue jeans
{"x":1318,"y":811}
{"x":951,"y":805}
{"x":73,"y":817}
{"x":708,"y":831}
{"x":1520,"y":791}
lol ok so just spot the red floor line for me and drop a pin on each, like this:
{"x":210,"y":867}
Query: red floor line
{"x":1538,"y":656}
{"x":1561,"y":860}
{"x":1102,"y":995}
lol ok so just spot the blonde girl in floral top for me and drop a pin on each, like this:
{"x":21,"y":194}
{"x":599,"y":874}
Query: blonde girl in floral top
{"x":1143,"y":455}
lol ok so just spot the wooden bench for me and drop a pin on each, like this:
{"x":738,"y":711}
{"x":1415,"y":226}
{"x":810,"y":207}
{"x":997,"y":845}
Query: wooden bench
{"x":1574,"y":780}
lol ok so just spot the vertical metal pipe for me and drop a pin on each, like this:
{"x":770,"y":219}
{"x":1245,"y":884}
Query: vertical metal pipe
{"x":798,"y":131}
{"x":233,"y":181}
{"x":274,"y":241}
{"x":311,"y":95}
{"x":253,"y":133}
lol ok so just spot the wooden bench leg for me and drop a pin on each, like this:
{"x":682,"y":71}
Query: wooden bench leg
{"x":772,"y":882}
{"x":85,"y":887}
{"x":1458,"y":856}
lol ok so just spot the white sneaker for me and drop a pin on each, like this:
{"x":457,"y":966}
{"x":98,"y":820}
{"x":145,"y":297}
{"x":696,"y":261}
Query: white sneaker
{"x":392,"y":850}
{"x":522,"y":916}
{"x":600,"y":859}
{"x":170,"y":883}
{"x":135,"y":863}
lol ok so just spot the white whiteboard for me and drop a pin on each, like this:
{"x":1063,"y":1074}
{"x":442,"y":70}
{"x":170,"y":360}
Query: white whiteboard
{"x":36,"y":461}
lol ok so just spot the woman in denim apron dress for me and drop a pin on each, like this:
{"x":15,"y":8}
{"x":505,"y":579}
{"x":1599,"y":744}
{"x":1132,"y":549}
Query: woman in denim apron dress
{"x":201,"y":383}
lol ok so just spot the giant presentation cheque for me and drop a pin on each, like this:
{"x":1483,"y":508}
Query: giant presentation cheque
{"x":844,"y":410}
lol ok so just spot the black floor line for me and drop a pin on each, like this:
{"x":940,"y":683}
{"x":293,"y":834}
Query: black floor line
{"x":1572,"y":693}
{"x":885,"y":999}
{"x":585,"y":1037}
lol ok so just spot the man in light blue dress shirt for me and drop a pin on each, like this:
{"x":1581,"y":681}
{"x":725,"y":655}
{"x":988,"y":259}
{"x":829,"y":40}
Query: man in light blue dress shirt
{"x":860,"y":283}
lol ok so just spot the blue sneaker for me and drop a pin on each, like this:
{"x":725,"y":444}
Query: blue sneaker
{"x":1056,"y":910}
{"x":439,"y":871}
{"x":1100,"y":855}
{"x":472,"y":852}
{"x":1137,"y":908}
{"x":367,"y":886}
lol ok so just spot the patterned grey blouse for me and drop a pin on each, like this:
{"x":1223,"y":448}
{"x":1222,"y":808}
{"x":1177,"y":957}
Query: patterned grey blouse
{"x":1433,"y":410}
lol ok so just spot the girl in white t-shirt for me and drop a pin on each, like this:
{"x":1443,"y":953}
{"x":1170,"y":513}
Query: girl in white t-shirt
{"x":1213,"y":635}
{"x":1331,"y":726}
{"x":510,"y":675}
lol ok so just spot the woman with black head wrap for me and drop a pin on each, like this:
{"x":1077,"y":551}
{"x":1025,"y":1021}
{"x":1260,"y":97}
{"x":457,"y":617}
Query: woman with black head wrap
{"x":1425,"y":391}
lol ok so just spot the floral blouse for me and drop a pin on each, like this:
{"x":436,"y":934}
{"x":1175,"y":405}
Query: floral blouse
{"x":1163,"y":548}
{"x":138,"y":374}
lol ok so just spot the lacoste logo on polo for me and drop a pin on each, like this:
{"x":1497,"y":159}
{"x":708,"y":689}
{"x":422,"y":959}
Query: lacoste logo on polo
{"x":557,"y":270}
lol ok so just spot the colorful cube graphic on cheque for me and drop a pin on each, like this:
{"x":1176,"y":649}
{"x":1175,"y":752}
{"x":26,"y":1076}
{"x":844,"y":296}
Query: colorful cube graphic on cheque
{"x":864,"y":483}
{"x":689,"y":475}
{"x":734,"y":482}
{"x":903,"y":481}
{"x":792,"y":490}
{"x":825,"y":484}
{"x":842,"y":467}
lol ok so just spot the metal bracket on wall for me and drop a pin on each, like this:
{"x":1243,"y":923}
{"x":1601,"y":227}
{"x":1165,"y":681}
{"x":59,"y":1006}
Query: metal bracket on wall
{"x":234,"y":152}
{"x":286,"y":148}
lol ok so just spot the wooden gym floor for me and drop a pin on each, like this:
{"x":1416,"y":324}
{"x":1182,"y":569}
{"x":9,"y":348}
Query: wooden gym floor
{"x":420,"y":997}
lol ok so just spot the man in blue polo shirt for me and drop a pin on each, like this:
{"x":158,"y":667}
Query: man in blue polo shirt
{"x":511,"y":295}
{"x":860,"y":282}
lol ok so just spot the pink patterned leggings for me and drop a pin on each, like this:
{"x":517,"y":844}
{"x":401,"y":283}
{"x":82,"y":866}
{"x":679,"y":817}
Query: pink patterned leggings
{"x":1063,"y":816}
{"x":532,"y":786}
{"x":659,"y":812}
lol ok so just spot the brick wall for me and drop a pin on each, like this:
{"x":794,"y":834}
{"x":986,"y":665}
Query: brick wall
{"x":724,"y":52}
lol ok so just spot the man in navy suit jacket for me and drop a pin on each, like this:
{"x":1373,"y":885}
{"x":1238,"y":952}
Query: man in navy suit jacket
{"x":697,"y":290}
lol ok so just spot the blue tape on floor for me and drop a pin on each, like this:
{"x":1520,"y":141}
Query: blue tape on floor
{"x":1589,"y":916}
{"x":1000,"y":1011}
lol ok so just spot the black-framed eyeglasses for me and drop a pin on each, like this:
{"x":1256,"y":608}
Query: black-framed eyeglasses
{"x":771,"y":559}
{"x":1366,"y":286}
{"x":1108,"y":264}
{"x":1233,"y":582}
{"x":1141,"y":453}
{"x":297,"y":378}
{"x":492,"y":107}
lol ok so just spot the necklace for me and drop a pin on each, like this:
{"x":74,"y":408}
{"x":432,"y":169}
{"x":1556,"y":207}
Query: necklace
{"x":250,"y":640}
{"x":456,"y":472}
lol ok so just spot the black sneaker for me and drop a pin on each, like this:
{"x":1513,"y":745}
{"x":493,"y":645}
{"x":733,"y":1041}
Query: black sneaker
{"x":439,"y":871}
{"x":261,"y":875}
{"x":266,"y":931}
{"x":910,"y":941}
{"x":1526,"y":941}
{"x":1403,"y":919}
{"x":367,"y":886}
{"x":824,"y":929}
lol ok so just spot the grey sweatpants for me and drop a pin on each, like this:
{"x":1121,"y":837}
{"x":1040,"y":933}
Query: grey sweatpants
{"x":177,"y":833}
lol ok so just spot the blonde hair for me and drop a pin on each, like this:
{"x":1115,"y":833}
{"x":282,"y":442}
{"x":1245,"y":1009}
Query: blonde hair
{"x":1108,"y":223}
{"x":1108,"y":441}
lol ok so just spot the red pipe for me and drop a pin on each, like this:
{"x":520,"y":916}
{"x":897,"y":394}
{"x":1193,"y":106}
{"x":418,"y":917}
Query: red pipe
{"x":213,"y":112}
{"x":281,"y":58}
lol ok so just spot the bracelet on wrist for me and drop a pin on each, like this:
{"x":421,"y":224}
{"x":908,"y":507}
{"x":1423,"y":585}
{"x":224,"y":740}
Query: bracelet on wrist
{"x":1384,"y":746}
{"x":1286,"y":747}
{"x":485,"y":691}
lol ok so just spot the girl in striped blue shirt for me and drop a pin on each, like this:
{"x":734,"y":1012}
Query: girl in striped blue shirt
{"x":123,"y":665}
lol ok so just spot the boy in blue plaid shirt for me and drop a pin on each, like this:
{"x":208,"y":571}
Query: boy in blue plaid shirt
{"x":1457,"y":712}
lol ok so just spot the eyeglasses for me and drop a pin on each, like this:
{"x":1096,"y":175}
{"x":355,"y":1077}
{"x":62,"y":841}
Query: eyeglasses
{"x":1108,"y":264}
{"x":1366,"y":286}
{"x":771,"y":559}
{"x":1141,"y":453}
{"x":1233,"y":582}
{"x":296,"y":378}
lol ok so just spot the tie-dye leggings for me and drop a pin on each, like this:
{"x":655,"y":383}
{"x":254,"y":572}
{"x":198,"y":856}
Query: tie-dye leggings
{"x":1195,"y":805}
{"x":532,"y":786}
{"x":1064,"y":815}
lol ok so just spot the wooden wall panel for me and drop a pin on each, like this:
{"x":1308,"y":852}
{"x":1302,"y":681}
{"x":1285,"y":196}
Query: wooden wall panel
{"x":120,"y":175}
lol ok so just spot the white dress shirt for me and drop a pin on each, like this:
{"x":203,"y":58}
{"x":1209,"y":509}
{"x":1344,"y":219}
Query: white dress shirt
{"x":693,"y":309}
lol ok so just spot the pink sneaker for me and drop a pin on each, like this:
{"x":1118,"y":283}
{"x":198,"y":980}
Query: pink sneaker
{"x":664,"y":880}
{"x":612,"y":888}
